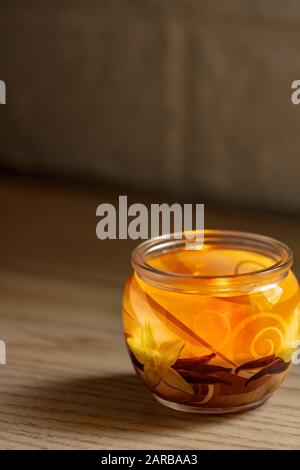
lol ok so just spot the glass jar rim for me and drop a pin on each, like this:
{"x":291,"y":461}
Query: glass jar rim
{"x":191,"y":283}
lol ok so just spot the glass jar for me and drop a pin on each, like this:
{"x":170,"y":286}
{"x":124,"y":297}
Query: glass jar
{"x":211,"y":325}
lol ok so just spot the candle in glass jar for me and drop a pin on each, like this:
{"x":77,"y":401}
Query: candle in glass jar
{"x":211,"y":328}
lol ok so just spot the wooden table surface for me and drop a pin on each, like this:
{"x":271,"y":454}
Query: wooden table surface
{"x":68,"y":382}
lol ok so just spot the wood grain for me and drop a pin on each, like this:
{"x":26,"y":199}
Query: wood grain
{"x":68,"y":382}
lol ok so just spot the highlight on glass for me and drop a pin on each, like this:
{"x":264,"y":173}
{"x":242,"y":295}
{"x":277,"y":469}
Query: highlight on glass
{"x":210,"y":327}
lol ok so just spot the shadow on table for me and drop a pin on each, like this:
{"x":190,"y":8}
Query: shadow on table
{"x":110,"y":405}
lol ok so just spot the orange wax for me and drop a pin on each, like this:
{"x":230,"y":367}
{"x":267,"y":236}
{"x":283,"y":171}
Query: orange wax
{"x":219,"y":349}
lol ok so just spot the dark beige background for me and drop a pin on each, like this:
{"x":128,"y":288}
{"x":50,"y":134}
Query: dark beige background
{"x":184,"y":96}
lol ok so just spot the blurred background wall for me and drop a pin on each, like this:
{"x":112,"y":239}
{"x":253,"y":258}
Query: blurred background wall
{"x":186,"y":97}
